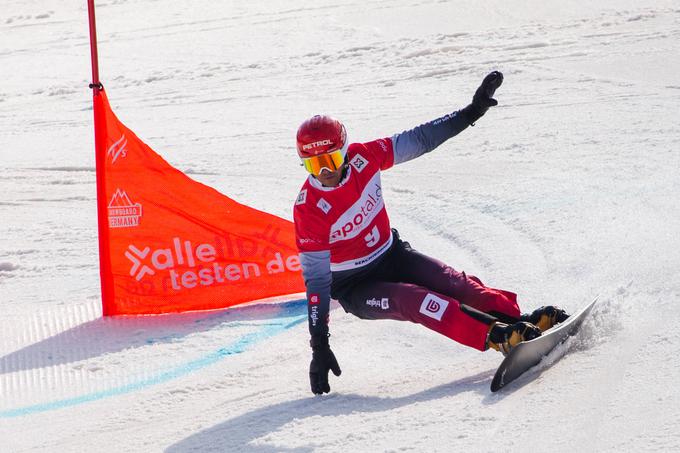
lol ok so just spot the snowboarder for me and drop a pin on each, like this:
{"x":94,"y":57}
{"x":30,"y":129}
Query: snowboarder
{"x":349,"y":252}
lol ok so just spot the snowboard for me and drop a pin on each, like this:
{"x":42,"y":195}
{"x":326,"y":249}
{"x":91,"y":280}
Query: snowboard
{"x":529,"y":353}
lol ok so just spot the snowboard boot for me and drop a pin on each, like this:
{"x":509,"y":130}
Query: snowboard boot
{"x":504,"y":337}
{"x":545,"y":317}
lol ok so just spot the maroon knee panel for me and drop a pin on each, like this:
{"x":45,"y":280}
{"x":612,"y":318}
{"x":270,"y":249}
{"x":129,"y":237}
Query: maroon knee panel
{"x":409,"y":302}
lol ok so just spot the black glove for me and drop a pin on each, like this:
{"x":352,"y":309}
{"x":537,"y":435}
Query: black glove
{"x":323,"y":360}
{"x":483,"y":98}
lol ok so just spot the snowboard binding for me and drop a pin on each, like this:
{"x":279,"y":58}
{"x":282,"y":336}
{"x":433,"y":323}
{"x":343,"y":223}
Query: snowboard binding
{"x":503,"y":337}
{"x":545,"y":317}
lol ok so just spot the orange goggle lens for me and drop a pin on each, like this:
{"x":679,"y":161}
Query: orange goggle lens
{"x":328,"y":161}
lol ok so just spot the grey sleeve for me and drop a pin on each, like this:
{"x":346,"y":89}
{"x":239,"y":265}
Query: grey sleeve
{"x":316,"y":271}
{"x":426,"y":137}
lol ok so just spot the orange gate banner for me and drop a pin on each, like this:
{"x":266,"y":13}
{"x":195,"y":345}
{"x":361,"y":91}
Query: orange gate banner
{"x":168,"y":243}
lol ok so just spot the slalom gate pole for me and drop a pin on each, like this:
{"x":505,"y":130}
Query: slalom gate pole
{"x":95,"y":85}
{"x":99,"y":100}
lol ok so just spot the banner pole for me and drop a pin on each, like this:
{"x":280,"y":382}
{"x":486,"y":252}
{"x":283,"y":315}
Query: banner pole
{"x":99,"y":99}
{"x":95,"y":85}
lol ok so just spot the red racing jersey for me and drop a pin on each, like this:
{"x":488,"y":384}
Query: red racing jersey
{"x":349,"y":220}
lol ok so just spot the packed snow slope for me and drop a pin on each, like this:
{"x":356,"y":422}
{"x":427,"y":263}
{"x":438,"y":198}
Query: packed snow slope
{"x":568,"y":189}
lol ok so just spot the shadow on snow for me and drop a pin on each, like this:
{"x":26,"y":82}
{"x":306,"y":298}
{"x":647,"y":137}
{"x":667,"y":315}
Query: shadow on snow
{"x":113,"y":334}
{"x":237,"y":434}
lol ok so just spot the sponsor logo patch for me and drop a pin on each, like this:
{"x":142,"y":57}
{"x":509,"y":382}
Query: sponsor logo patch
{"x":383,"y":303}
{"x":317,"y":144}
{"x":314,"y":299}
{"x":117,"y":149}
{"x":323,"y":205}
{"x":359,"y":163}
{"x":139,"y":269}
{"x":314,"y":316}
{"x":123,"y":213}
{"x":434,"y":306}
{"x":302,"y":197}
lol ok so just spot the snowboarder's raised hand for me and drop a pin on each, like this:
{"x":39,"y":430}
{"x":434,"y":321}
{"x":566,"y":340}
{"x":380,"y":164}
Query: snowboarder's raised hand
{"x":323,"y":360}
{"x":483,"y":98}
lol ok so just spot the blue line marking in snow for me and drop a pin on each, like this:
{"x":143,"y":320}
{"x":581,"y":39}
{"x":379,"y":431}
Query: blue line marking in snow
{"x":267,"y":331}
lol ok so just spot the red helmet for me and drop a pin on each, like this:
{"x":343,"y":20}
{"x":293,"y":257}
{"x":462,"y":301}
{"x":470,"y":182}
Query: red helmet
{"x":319,"y":135}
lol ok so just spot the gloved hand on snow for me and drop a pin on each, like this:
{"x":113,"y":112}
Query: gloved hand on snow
{"x":323,"y":360}
{"x":483,"y":98}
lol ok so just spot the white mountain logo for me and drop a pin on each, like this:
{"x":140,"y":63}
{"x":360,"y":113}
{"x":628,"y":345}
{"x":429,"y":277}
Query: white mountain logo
{"x":123,"y":213}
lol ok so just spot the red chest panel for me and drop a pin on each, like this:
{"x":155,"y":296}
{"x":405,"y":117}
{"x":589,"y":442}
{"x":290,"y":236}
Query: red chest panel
{"x":350,"y":220}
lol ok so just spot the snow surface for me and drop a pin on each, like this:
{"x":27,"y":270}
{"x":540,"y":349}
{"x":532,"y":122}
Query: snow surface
{"x":568,"y":189}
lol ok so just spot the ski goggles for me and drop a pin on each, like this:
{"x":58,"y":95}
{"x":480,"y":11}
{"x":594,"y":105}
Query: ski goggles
{"x":327,"y":161}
